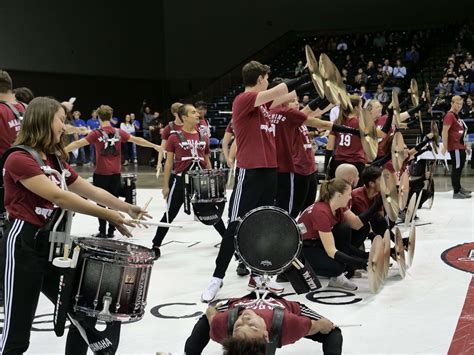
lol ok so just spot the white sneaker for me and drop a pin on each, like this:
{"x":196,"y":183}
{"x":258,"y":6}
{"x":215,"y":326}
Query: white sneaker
{"x":342,"y":282}
{"x":211,"y":291}
{"x":272,"y":286}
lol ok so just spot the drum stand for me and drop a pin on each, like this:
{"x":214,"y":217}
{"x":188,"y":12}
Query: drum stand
{"x":261,"y":293}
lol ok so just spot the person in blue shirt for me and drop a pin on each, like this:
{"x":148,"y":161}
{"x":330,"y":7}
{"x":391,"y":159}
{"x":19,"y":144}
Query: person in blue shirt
{"x":137,"y":125}
{"x":78,"y":122}
{"x":92,"y":123}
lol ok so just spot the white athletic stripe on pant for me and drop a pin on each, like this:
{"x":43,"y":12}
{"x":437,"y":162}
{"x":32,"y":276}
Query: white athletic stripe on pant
{"x":292,"y":192}
{"x":458,"y":158}
{"x":9,"y":278}
{"x":238,"y":194}
{"x":170,"y":198}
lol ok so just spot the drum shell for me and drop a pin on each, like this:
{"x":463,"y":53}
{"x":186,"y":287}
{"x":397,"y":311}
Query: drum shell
{"x":216,"y":156}
{"x":208,"y":185}
{"x":128,"y":188}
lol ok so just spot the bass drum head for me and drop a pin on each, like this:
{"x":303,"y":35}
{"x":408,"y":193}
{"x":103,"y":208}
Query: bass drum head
{"x":268,"y":240}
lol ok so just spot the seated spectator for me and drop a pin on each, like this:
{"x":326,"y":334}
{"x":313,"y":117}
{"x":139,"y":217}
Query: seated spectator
{"x":381,"y":95}
{"x":364,"y":94}
{"x":361,"y":62}
{"x":464,"y":71}
{"x":444,"y":87}
{"x":299,"y":69}
{"x":469,"y":62}
{"x":371,"y":71}
{"x":380,"y":74}
{"x":379,"y":41}
{"x":467,"y":110}
{"x":387,"y":69}
{"x":451,"y":75}
{"x":412,"y":55}
{"x":360,"y":78}
{"x":442,"y":102}
{"x":398,"y":54}
{"x":399,"y":71}
{"x":304,"y":102}
{"x":450,"y":65}
{"x":460,"y":87}
{"x":348,"y":64}
{"x":459,"y":52}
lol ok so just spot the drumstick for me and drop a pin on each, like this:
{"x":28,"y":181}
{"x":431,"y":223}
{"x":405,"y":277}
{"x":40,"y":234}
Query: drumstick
{"x":66,"y":252}
{"x":140,"y":215}
{"x":348,"y":325}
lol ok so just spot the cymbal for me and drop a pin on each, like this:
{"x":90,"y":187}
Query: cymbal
{"x":313,"y":68}
{"x":326,"y":67}
{"x":410,"y":209}
{"x":386,"y":252}
{"x":375,"y":265}
{"x":368,"y":134}
{"x":396,"y":108}
{"x":415,"y":96}
{"x":398,"y":151}
{"x":411,"y":245}
{"x":344,"y":96}
{"x":404,"y":189}
{"x":331,"y":91}
{"x":388,"y":191}
{"x":435,"y":141}
{"x":400,"y":252}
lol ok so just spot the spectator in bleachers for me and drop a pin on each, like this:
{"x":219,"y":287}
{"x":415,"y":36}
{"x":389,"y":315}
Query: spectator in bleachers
{"x":399,"y":71}
{"x":381,"y":95}
{"x":467,"y":73}
{"x":387,"y":69}
{"x":342,"y":45}
{"x":332,"y":44}
{"x":467,"y":110}
{"x":412,"y":55}
{"x":115,"y":122}
{"x":379,"y":41}
{"x":361,"y":62}
{"x":449,"y":65}
{"x":380,"y":76}
{"x":469,"y":62}
{"x":24,"y":95}
{"x":299,"y":69}
{"x":127,"y":147}
{"x":348,"y":62}
{"x":398,"y":55}
{"x":371,"y":71}
{"x":441,"y":102}
{"x":459,"y":52}
{"x":451,"y":75}
{"x":147,"y":119}
{"x":92,"y":123}
{"x":444,"y":87}
{"x":460,"y":87}
{"x":304,"y":101}
{"x":365,"y":96}
{"x":78,"y":122}
{"x":360,"y":78}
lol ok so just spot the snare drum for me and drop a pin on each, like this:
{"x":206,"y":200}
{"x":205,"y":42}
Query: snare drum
{"x":208,"y":185}
{"x":268,"y":240}
{"x":216,"y":156}
{"x":112,"y":279}
{"x":128,"y":188}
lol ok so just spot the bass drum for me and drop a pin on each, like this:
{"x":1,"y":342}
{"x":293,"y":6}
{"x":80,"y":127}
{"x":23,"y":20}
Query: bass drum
{"x":268,"y":240}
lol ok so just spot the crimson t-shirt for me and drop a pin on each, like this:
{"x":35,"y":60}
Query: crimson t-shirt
{"x":318,"y":217}
{"x":9,"y":125}
{"x":379,"y":123}
{"x":20,"y":202}
{"x":286,"y":121}
{"x":360,"y":200}
{"x":107,"y":164}
{"x":348,"y":146}
{"x":455,"y":132}
{"x":167,"y":130}
{"x":254,"y":133}
{"x":229,"y":128}
{"x":183,"y":153}
{"x":303,"y":154}
{"x":294,"y":326}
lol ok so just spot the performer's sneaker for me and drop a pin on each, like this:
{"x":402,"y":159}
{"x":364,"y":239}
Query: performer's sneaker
{"x":242,"y":270}
{"x":342,"y":282}
{"x":464,"y":191}
{"x":99,"y":235}
{"x":211,"y":291}
{"x":157,"y":251}
{"x":460,"y":196}
{"x":272,"y":286}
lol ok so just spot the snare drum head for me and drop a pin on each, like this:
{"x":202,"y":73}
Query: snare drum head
{"x":268,"y":240}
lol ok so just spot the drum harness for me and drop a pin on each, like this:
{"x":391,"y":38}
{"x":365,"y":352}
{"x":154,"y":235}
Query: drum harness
{"x":59,"y":224}
{"x":109,"y":140}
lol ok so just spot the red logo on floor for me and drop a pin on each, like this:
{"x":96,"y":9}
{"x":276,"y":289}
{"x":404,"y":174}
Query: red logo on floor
{"x":460,"y":257}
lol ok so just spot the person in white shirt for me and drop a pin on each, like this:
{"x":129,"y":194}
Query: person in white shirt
{"x":129,"y":148}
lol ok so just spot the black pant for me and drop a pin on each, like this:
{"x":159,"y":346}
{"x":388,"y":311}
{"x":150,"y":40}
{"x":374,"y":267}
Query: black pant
{"x":174,"y":202}
{"x":199,"y":338}
{"x":378,"y":224}
{"x":295,"y":192}
{"x":27,"y":272}
{"x":254,"y":188}
{"x":458,"y":158}
{"x":335,"y":163}
{"x":319,"y":260}
{"x":110,"y":183}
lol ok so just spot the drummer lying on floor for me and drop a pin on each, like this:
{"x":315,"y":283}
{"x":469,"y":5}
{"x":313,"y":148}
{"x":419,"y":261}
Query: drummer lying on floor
{"x":251,"y":329}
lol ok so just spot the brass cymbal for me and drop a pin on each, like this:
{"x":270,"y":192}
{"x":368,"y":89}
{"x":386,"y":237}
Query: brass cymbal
{"x":326,"y":67}
{"x":368,"y":134}
{"x":344,"y":96}
{"x":415,"y":96}
{"x":411,"y":245}
{"x":331,"y":92}
{"x":400,"y":252}
{"x":404,"y":189}
{"x":388,"y":191}
{"x":396,"y":108}
{"x":313,"y":68}
{"x":398,"y":151}
{"x":410,"y":209}
{"x":435,"y":141}
{"x":375,"y":265}
{"x":386,"y":252}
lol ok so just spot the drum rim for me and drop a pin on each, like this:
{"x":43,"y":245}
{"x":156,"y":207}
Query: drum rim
{"x":127,"y":175}
{"x":119,"y":317}
{"x":287,"y":264}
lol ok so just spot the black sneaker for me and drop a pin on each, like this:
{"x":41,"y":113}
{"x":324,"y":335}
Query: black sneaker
{"x":157,"y":251}
{"x":464,"y":191}
{"x":242,"y":270}
{"x":99,"y":235}
{"x":110,"y":235}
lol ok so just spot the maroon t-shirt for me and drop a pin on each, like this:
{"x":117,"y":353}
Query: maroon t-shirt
{"x":286,"y":121}
{"x":319,"y":218}
{"x":360,"y":200}
{"x":254,"y":133}
{"x":183,"y":153}
{"x":455,"y":132}
{"x":20,"y":202}
{"x":107,"y":164}
{"x":303,"y":154}
{"x":379,"y":123}
{"x":294,"y":326}
{"x":167,"y":130}
{"x":9,"y":126}
{"x":229,"y":128}
{"x":348,"y":146}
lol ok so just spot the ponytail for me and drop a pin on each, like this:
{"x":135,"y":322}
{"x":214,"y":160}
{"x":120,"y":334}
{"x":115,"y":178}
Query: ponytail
{"x":330,"y":187}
